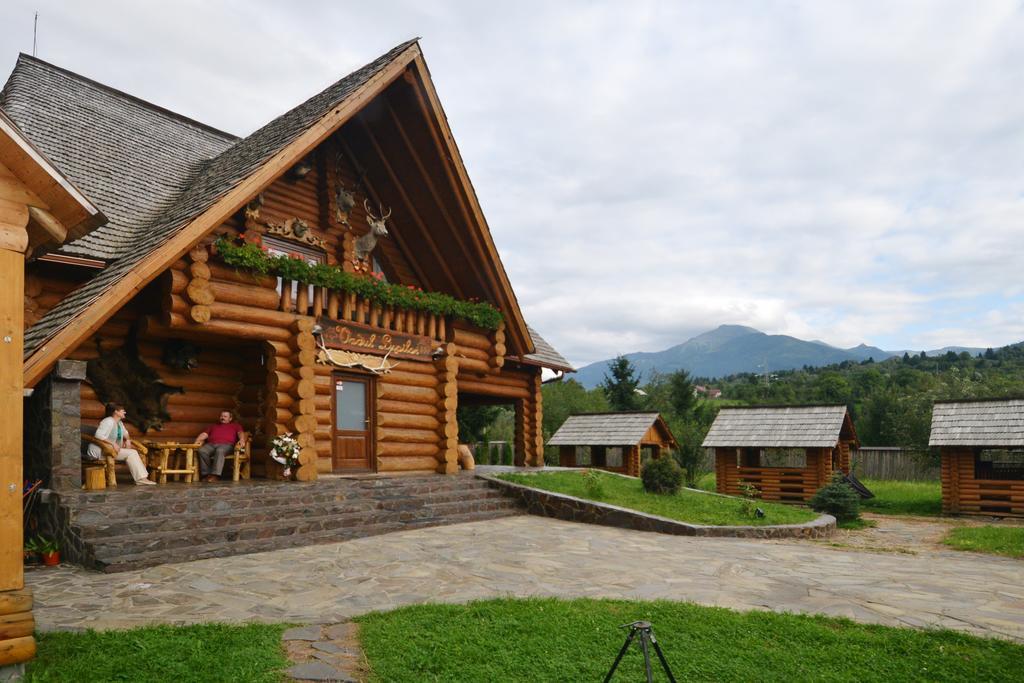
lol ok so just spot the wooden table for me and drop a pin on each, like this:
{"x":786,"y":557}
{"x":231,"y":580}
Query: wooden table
{"x":164,"y":454}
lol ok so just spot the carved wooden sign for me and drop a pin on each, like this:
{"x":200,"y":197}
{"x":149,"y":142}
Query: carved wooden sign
{"x":365,"y":339}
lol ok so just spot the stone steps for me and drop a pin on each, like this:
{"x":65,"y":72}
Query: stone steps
{"x":128,"y":562}
{"x":138,"y":527}
{"x":103,"y":526}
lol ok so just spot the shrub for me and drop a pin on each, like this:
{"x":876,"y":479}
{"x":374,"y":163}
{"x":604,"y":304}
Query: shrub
{"x":838,"y":499}
{"x":593,"y":484}
{"x":662,"y":475}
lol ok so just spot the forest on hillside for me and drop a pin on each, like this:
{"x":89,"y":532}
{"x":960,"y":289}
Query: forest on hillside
{"x":890,"y":401}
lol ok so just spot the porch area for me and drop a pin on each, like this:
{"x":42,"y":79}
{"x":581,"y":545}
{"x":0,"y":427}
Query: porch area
{"x":134,"y":527}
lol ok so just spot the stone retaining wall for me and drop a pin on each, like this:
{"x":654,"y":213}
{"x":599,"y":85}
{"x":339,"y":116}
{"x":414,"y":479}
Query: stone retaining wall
{"x":569,"y":508}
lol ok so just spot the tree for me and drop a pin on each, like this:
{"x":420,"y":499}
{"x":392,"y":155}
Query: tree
{"x":474,"y":421}
{"x":621,"y":385}
{"x":681,"y":393}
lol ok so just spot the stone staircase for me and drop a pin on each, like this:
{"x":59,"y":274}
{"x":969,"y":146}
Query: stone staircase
{"x":134,"y":527}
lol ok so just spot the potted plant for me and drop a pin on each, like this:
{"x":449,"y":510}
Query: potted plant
{"x":285,"y":450}
{"x":32,"y":551}
{"x":49,"y":549}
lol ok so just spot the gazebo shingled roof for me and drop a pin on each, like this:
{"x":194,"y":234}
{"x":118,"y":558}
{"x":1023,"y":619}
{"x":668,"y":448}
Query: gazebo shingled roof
{"x":606,"y":429}
{"x":978,"y":423}
{"x":777,"y":427}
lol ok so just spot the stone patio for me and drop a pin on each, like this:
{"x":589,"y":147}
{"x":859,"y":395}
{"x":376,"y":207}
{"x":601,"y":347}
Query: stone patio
{"x":533,"y":556}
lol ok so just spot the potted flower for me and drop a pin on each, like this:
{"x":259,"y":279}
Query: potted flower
{"x":49,"y":549}
{"x":285,"y":450}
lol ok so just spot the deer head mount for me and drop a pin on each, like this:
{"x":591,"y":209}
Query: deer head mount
{"x":344,"y":203}
{"x":378,"y":228}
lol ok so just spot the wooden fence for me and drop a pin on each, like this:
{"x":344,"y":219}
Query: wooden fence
{"x":895,"y":464}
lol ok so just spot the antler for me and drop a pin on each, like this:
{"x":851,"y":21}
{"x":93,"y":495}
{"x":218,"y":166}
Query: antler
{"x":369,"y":212}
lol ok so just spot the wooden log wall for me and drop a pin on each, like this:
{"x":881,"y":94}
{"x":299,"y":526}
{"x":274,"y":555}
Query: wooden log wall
{"x":409,"y":418}
{"x":964,"y":493}
{"x":45,"y":287}
{"x":17,"y":625}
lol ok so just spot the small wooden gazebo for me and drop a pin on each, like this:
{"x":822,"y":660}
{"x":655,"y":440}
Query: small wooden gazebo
{"x":982,"y":448}
{"x":633,"y":432}
{"x":743,"y":437}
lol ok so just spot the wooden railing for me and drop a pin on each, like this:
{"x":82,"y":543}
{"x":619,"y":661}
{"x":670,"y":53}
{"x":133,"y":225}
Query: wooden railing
{"x":348,"y":306}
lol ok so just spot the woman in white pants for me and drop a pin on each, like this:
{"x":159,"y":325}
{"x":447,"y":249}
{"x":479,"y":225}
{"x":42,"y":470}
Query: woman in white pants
{"x":112,"y":430}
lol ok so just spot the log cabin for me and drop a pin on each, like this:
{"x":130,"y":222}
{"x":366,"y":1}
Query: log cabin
{"x":618,"y":441}
{"x":981,"y":444}
{"x":39,"y":209}
{"x":330,"y":276}
{"x":785,"y":453}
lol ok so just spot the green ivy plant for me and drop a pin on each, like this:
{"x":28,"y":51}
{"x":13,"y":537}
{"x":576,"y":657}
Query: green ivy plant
{"x":252,"y":256}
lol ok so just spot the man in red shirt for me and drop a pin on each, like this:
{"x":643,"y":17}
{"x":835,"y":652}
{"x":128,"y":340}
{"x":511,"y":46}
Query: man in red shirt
{"x":218,"y":440}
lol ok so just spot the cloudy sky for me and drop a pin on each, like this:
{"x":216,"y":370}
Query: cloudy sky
{"x":849,"y":171}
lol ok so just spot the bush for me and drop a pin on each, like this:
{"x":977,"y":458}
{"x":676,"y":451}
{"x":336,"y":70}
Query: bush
{"x":837,"y":499}
{"x":593,"y":484}
{"x":662,"y":475}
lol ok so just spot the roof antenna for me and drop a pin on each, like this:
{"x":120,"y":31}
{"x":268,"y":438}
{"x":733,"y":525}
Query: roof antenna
{"x":35,"y":26}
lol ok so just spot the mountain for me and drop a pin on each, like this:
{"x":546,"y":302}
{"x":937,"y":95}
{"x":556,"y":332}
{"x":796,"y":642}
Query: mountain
{"x":731,"y":349}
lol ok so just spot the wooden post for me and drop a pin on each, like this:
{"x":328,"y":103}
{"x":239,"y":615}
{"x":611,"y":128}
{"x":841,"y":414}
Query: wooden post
{"x":13,"y":242}
{"x":520,"y":435}
{"x":567,"y":456}
{"x":725,"y":464}
{"x":633,"y":464}
{"x":448,"y":402}
{"x":950,"y":480}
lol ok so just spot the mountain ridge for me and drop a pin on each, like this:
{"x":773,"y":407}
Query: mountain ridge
{"x":733,"y":349}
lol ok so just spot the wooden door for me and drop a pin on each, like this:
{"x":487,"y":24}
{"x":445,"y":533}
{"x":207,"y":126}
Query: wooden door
{"x":353,"y":423}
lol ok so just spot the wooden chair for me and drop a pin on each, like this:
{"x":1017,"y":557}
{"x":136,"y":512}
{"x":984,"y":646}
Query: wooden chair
{"x":108,"y":456}
{"x":241,"y":458}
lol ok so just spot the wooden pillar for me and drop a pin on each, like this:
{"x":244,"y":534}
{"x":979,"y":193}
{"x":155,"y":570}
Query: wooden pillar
{"x":598,"y":456}
{"x":18,"y":646}
{"x":844,"y":457}
{"x":632,"y":455}
{"x":303,"y":393}
{"x":725,"y":466}
{"x":950,"y":480}
{"x":448,"y":402}
{"x":567,"y":456}
{"x":535,"y":422}
{"x":520,"y":436}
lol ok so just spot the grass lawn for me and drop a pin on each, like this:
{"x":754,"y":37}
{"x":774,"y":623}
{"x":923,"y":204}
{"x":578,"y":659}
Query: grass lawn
{"x":904,"y":497}
{"x":996,"y":540}
{"x":686,"y":506}
{"x":577,"y":640}
{"x":206,"y":652}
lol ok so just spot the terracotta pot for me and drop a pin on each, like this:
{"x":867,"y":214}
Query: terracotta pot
{"x":51,"y":559}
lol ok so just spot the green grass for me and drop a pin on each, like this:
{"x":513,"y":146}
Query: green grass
{"x":904,"y":497}
{"x":206,"y":652}
{"x":996,"y":540}
{"x":686,"y":506}
{"x":577,"y":640}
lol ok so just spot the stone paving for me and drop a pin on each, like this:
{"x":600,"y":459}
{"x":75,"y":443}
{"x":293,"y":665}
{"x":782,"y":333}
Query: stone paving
{"x":533,"y":556}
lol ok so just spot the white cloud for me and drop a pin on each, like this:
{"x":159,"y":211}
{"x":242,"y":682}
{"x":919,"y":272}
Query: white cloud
{"x":843,"y":171}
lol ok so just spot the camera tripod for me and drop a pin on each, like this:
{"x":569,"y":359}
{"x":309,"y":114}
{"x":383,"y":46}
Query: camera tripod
{"x":643,"y":628}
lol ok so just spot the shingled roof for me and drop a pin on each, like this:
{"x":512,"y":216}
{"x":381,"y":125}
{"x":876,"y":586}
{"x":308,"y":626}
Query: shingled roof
{"x":978,"y":423}
{"x":545,"y":355}
{"x":129,"y":157}
{"x":781,"y":427}
{"x":606,"y":429}
{"x":199,"y":182}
